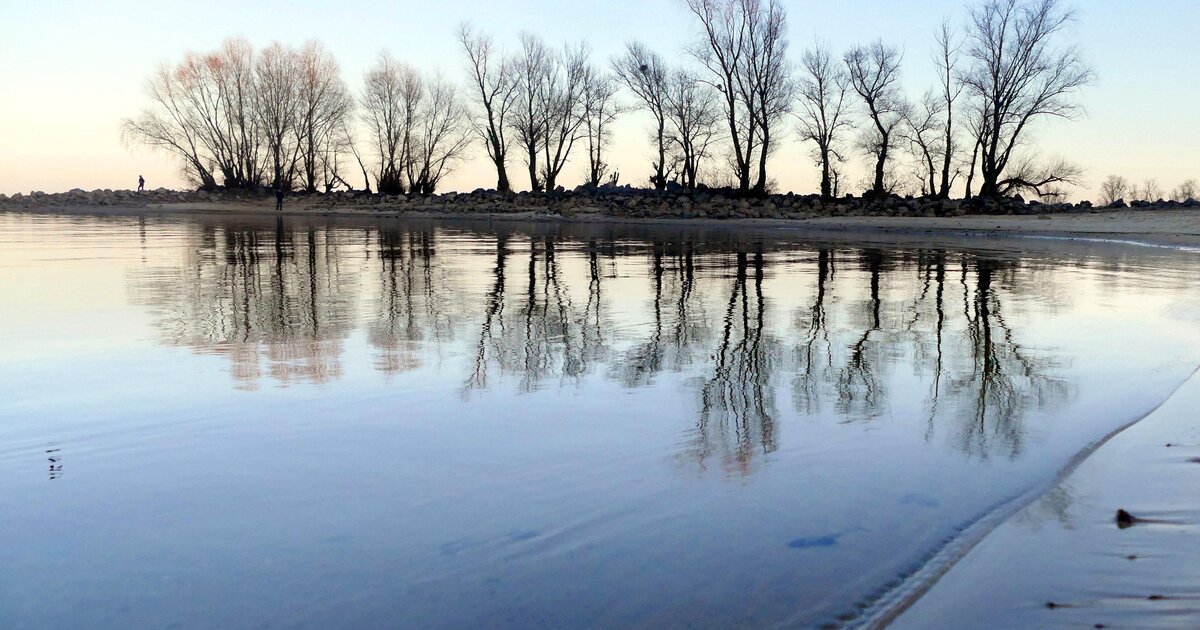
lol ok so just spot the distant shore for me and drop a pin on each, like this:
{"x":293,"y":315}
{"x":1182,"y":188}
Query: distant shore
{"x":1162,"y":223}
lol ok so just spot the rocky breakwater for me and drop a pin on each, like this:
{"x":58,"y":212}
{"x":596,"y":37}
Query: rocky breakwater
{"x":708,"y":204}
{"x":622,"y":202}
{"x":77,"y":197}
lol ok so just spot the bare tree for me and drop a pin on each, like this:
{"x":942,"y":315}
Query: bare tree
{"x":350,"y":144}
{"x":170,"y":125}
{"x":1185,"y":191}
{"x":600,"y":110}
{"x":324,"y":106}
{"x":277,"y":103}
{"x":1114,"y":187}
{"x":923,"y":132}
{"x":1017,"y":77}
{"x":874,"y":75}
{"x":771,"y":88}
{"x":1043,"y":178}
{"x":695,"y":118}
{"x":441,"y":136}
{"x":391,"y":95}
{"x":744,"y":47}
{"x":949,"y":51}
{"x":564,"y":109}
{"x":645,"y":73}
{"x":235,"y":137}
{"x":1150,"y":191}
{"x":203,"y":112}
{"x":532,"y":69}
{"x":331,"y":152}
{"x":492,"y":77}
{"x":822,"y":112}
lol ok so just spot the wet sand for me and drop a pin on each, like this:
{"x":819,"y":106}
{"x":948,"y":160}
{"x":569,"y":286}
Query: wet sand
{"x":1062,"y":560}
{"x":1065,"y":561}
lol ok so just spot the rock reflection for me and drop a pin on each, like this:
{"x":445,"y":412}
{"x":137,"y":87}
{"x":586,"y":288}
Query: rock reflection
{"x":852,"y":334}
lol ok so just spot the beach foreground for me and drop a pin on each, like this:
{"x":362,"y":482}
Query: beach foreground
{"x":1065,"y":560}
{"x":1061,"y":558}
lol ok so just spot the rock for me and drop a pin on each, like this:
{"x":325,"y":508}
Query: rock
{"x":1125,"y":519}
{"x":1120,"y":203}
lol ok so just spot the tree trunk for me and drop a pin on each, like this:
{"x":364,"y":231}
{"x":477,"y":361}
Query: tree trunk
{"x":944,"y":190}
{"x":534,"y":184}
{"x":971,"y":173}
{"x":660,"y":177}
{"x":826,"y":185}
{"x":880,"y":163}
{"x":760,"y":187}
{"x":502,"y":184}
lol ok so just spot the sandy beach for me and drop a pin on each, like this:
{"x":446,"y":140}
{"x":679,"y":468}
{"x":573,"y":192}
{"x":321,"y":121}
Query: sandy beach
{"x":1062,"y":557}
{"x":1066,"y":561}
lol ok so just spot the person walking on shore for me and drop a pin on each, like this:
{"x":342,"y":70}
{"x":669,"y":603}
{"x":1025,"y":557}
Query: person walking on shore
{"x":278,"y":199}
{"x":141,"y":183}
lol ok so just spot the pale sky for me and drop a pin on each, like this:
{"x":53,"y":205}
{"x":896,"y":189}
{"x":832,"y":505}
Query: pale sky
{"x":70,"y":70}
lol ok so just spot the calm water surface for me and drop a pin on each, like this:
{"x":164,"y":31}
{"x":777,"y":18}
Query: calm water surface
{"x":218,"y":422}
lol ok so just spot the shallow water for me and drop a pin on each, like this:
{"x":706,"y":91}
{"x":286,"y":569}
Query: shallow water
{"x":217,"y":422}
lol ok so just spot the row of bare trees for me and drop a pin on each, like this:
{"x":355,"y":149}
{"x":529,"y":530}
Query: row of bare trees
{"x":1117,"y":188}
{"x":284,"y":117}
{"x":242,"y":118}
{"x":997,"y":77}
{"x":416,"y":125}
{"x":546,"y":100}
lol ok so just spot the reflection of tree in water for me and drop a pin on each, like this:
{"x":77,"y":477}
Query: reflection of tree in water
{"x":680,"y":323}
{"x":813,"y":353}
{"x":539,"y":330}
{"x":738,"y":400}
{"x":860,"y":390}
{"x":536,"y":307}
{"x":979,"y":377}
{"x":1002,"y":379}
{"x":275,"y":301}
{"x":412,"y":305}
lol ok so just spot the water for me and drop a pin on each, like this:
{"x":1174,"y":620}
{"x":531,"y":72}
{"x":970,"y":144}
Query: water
{"x":215,"y":422}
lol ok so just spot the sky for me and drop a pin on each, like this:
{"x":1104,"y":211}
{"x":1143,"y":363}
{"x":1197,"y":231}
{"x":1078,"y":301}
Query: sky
{"x":70,"y":71}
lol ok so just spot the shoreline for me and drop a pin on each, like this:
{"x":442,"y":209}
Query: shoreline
{"x":1075,"y":563}
{"x":922,"y":597}
{"x":1174,"y":228}
{"x":954,"y":581}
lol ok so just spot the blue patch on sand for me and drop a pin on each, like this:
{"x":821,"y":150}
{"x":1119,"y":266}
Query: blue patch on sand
{"x":816,"y":541}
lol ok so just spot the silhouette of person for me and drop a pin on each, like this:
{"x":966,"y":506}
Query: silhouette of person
{"x":141,"y":183}
{"x":279,"y":199}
